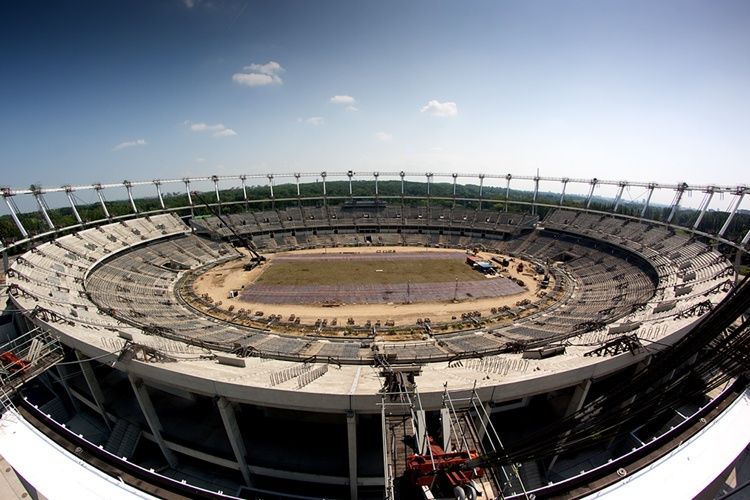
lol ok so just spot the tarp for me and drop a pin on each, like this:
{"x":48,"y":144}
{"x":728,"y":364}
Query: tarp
{"x":53,"y":471}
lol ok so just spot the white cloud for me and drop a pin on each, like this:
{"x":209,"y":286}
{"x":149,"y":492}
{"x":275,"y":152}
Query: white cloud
{"x":199,"y":160}
{"x":315,"y":121}
{"x":217,"y":130}
{"x":384,"y":136}
{"x":258,"y":75}
{"x":129,"y":144}
{"x":351,"y":108}
{"x":437,"y":108}
{"x":343,"y":99}
{"x":190,"y":3}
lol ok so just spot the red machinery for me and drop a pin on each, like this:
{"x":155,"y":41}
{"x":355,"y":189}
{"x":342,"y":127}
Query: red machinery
{"x":13,"y":363}
{"x":446,"y":469}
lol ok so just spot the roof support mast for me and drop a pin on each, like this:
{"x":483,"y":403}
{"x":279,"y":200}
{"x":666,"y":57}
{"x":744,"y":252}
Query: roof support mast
{"x":98,"y":188}
{"x":129,"y":188}
{"x":270,"y":186}
{"x":481,"y":186}
{"x":564,"y":181}
{"x":243,"y":178}
{"x":157,"y":183}
{"x":704,"y":206}
{"x":215,"y":180}
{"x":402,"y":174}
{"x":594,"y":181}
{"x":325,"y":193}
{"x":679,"y":191}
{"x":740,"y":193}
{"x":507,"y":190}
{"x":455,"y":177}
{"x":189,"y":196}
{"x":69,"y":193}
{"x":43,"y":207}
{"x":651,"y":187}
{"x":8,"y":197}
{"x":623,"y":184}
{"x":296,"y":180}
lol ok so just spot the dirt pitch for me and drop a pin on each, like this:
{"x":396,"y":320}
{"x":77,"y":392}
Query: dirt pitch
{"x":219,"y":281}
{"x":372,"y":269}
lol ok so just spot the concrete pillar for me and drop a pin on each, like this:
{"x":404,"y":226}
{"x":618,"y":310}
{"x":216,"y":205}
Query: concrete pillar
{"x":576,"y":403}
{"x":63,"y":373}
{"x":226,"y":409}
{"x":351,"y":433}
{"x":579,"y":396}
{"x":94,"y":387}
{"x":483,"y":420}
{"x":445,"y":421}
{"x":147,"y":407}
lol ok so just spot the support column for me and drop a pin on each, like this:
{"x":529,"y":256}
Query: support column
{"x":147,"y":407}
{"x":43,"y":208}
{"x":129,"y":188}
{"x":69,"y":194}
{"x":98,"y":188}
{"x":594,"y":181}
{"x":189,"y":196}
{"x":733,"y":210}
{"x":421,"y":427}
{"x":13,"y":209}
{"x":648,"y":199}
{"x":158,"y":193}
{"x":576,"y":403}
{"x":402,"y":174}
{"x":226,"y":409}
{"x":508,"y":177}
{"x":94,"y":387}
{"x":483,"y":420}
{"x":445,"y":423}
{"x":676,"y":203}
{"x":704,"y":207}
{"x":62,"y":374}
{"x":455,"y":177}
{"x":564,"y":185}
{"x":619,"y":196}
{"x":481,"y":188}
{"x":351,"y":433}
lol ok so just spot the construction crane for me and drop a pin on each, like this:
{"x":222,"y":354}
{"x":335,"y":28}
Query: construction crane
{"x":256,"y":259}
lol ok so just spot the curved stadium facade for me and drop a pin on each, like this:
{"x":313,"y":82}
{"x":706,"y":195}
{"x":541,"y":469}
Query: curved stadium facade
{"x":630,"y":344}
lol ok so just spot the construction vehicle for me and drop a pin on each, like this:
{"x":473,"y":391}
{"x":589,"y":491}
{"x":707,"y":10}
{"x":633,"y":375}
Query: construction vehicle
{"x":256,"y":259}
{"x":444,"y":473}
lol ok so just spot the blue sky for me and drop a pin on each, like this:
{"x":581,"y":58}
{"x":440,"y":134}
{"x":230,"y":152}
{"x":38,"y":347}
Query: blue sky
{"x":111,"y":90}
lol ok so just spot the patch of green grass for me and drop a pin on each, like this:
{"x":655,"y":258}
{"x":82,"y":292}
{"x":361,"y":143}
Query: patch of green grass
{"x":366,"y":271}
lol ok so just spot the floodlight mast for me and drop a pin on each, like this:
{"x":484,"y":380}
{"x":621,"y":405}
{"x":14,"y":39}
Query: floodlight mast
{"x":256,"y":258}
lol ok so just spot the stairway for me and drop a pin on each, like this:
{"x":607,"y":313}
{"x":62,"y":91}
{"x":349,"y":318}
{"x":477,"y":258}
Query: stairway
{"x":123,"y":439}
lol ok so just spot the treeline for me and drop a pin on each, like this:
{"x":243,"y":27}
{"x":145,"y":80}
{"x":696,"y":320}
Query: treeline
{"x":494,"y":198}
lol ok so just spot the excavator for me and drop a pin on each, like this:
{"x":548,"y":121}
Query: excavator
{"x":256,"y":259}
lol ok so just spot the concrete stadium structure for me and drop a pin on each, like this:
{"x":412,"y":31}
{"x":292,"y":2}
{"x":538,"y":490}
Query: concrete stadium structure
{"x":148,"y":385}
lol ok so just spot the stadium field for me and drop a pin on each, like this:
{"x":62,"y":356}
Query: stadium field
{"x":369,"y":269}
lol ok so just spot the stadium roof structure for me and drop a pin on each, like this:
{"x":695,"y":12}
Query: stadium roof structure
{"x":640,"y":341}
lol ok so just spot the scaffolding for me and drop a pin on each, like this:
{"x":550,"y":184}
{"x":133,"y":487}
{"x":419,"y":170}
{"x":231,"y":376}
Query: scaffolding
{"x":26,"y":357}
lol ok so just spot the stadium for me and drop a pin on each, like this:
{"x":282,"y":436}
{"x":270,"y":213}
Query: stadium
{"x":380,"y":335}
